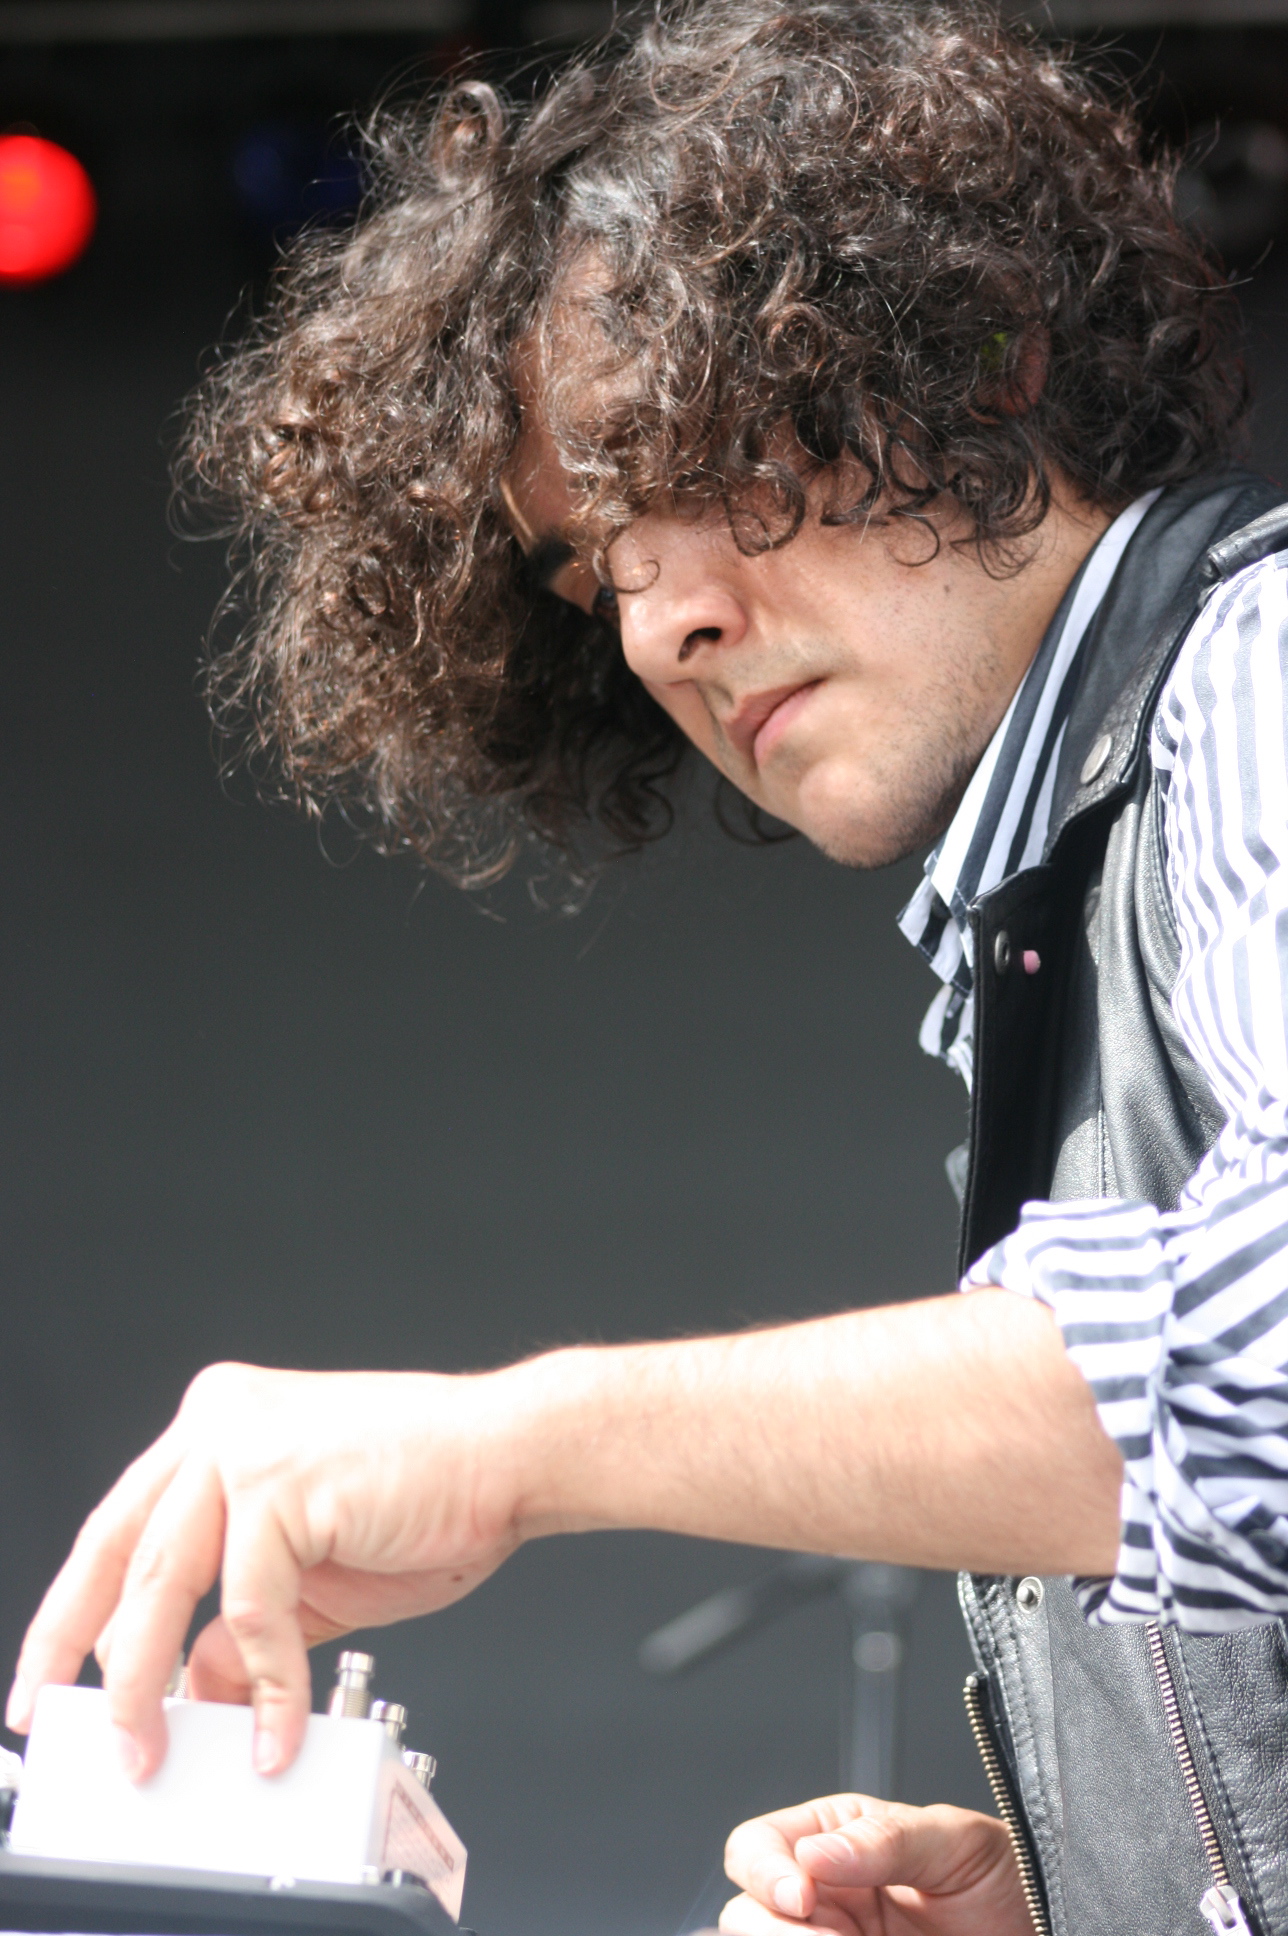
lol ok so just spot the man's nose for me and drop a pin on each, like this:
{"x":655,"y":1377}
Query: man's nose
{"x":670,"y":631}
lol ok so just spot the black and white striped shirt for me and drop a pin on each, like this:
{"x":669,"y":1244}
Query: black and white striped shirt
{"x":1001,"y":824}
{"x":1178,"y":1320}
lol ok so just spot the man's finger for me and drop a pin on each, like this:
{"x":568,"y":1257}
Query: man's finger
{"x":175,"y":1561}
{"x":261,"y":1597}
{"x":103,"y":1645}
{"x":81,"y":1600}
{"x":936,"y":1850}
{"x":216,"y":1670}
{"x":744,"y":1916}
{"x":758,"y":1856}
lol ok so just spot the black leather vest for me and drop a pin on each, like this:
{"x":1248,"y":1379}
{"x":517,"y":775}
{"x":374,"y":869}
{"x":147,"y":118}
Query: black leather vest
{"x":1147,"y":1770}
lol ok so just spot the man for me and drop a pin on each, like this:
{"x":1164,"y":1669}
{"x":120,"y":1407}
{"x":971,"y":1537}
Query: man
{"x":832,"y":389}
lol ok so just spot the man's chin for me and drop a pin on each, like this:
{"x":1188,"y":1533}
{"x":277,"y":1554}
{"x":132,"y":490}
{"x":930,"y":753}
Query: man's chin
{"x":852,"y":848}
{"x":861,"y":819}
{"x":876,"y":839}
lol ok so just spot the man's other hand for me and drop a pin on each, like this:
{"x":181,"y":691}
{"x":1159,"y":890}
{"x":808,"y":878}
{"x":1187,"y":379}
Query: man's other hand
{"x":864,"y":1867}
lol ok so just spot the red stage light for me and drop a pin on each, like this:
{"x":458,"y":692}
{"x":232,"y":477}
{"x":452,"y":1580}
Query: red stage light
{"x":47,"y":208}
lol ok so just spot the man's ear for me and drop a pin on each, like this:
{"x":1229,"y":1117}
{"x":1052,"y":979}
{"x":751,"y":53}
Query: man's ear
{"x":1013,"y":372}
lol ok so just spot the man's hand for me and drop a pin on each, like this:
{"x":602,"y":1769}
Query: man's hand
{"x":954,"y":1433}
{"x":869,"y":1868}
{"x":329,"y":1501}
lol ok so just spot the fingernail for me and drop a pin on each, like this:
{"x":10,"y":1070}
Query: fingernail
{"x":833,"y":1848}
{"x":264,"y":1752}
{"x":789,"y":1896}
{"x":17,"y":1714}
{"x":130,"y":1753}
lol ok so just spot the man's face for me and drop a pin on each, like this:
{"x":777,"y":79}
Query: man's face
{"x":847,"y":682}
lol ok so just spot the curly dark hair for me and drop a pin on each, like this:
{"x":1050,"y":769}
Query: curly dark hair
{"x":842,"y":217}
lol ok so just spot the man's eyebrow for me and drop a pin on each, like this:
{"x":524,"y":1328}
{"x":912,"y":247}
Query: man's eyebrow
{"x":544,"y":556}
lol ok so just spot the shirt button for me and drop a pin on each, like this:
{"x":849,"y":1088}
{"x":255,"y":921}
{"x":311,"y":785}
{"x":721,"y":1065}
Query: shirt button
{"x":1094,"y":764}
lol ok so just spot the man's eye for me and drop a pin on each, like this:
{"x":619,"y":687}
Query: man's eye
{"x":604,"y":604}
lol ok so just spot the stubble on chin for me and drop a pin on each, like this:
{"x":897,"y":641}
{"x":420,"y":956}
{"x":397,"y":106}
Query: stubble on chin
{"x":912,"y":781}
{"x":910,"y":805}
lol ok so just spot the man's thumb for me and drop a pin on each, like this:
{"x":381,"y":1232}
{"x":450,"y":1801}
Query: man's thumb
{"x":861,"y":1855}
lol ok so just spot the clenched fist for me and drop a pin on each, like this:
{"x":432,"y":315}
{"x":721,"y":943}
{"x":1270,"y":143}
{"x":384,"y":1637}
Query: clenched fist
{"x":864,"y":1867}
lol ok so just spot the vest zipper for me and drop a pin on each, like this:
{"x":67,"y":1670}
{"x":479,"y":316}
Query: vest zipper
{"x":1007,"y":1808}
{"x":1220,"y":1904}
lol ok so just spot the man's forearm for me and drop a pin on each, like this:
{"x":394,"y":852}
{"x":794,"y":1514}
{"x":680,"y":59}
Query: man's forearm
{"x":948,"y":1433}
{"x":952,"y":1433}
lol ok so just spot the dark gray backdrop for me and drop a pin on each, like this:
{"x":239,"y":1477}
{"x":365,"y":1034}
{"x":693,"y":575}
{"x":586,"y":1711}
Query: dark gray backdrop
{"x":291,"y":1104}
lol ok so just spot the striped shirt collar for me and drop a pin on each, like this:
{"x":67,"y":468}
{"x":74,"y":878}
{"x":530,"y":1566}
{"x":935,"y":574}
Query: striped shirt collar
{"x":1001,"y":825}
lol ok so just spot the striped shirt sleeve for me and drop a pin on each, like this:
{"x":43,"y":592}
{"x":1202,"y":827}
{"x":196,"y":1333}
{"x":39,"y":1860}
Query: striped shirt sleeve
{"x":1179,"y":1321}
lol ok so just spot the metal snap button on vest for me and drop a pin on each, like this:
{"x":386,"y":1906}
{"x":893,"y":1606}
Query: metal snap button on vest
{"x":1002,"y":951}
{"x":1094,"y":764}
{"x":1028,"y":1594}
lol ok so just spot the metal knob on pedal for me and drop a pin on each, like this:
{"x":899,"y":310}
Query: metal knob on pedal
{"x":351,"y":1695}
{"x":11,"y":1783}
{"x":423,"y":1766}
{"x":392,"y":1717}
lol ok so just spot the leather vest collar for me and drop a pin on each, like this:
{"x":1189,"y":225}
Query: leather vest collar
{"x":1179,"y":551}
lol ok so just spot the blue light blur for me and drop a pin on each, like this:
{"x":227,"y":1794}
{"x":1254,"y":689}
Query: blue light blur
{"x":289,"y":174}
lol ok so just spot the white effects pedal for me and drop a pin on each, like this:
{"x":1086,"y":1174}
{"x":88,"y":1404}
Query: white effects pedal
{"x":353,"y":1807}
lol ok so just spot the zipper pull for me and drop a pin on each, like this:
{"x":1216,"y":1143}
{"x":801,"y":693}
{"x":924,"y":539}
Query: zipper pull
{"x":1222,"y":1908}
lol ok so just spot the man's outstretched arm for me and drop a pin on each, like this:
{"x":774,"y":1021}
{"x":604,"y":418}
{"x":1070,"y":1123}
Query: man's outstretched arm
{"x":949,"y":1433}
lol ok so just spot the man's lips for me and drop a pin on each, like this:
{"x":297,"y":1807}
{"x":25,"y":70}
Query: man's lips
{"x":757,"y":724}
